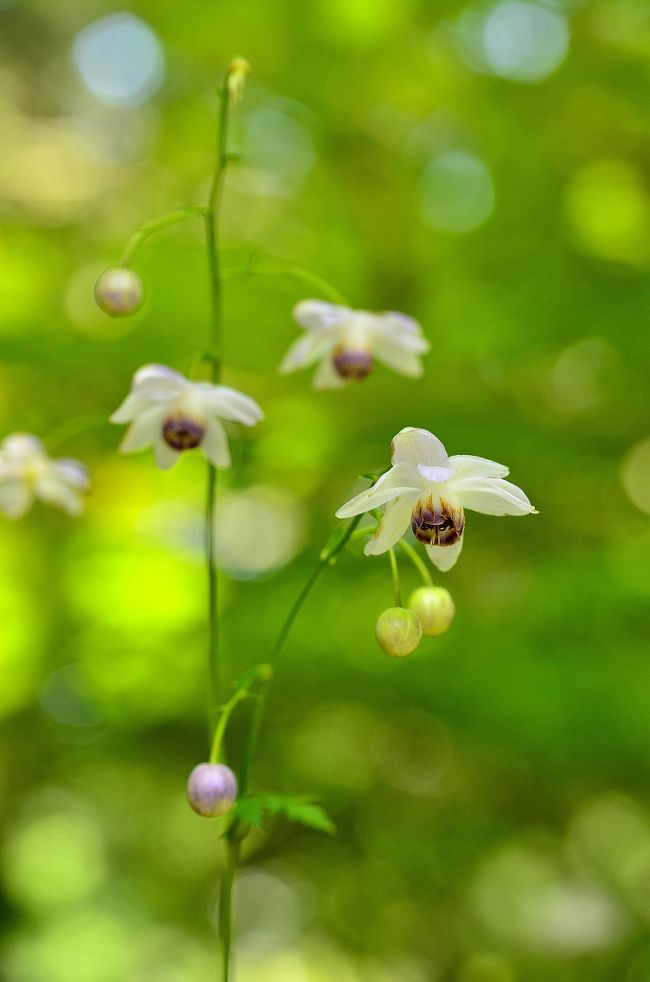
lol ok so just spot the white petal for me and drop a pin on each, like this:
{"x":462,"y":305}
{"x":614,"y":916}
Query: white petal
{"x":465,"y":465}
{"x":317,"y":315}
{"x":327,"y":377}
{"x":444,"y":557}
{"x":165,"y":455}
{"x":151,"y":383}
{"x":158,"y":381}
{"x":56,"y":492}
{"x":415,"y":446}
{"x":72,"y":471}
{"x":399,"y":360}
{"x":229,"y":403}
{"x":22,"y":447}
{"x":15,"y":498}
{"x":306,"y":350}
{"x":392,"y":484}
{"x":492,"y":496}
{"x":215,"y":444}
{"x":402,"y":323}
{"x":144,"y":429}
{"x":395,"y":521}
{"x":400,"y":331}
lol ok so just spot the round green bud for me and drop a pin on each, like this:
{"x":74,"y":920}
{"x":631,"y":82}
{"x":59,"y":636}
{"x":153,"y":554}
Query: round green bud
{"x":435,"y":608}
{"x":398,"y":631}
{"x":119,"y":291}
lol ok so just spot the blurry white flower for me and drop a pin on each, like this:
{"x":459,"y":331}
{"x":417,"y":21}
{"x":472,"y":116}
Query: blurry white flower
{"x":27,"y":473}
{"x":429,"y":491}
{"x":346,"y":342}
{"x":171,"y":413}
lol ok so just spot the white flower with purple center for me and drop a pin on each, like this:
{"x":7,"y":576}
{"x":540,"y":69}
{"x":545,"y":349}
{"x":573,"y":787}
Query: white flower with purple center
{"x":429,"y":491}
{"x":345,"y":343}
{"x":28,"y":474}
{"x":173,"y":415}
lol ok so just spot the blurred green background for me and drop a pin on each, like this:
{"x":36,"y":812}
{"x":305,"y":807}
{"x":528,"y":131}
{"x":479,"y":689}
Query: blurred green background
{"x":483,"y":167}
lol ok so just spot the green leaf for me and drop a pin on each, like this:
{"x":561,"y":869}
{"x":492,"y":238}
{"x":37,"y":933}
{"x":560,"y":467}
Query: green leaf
{"x":254,"y":809}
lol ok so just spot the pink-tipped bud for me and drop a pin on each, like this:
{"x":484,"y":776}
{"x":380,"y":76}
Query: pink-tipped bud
{"x":211,"y":789}
{"x":119,"y":291}
{"x":435,"y":607}
{"x":398,"y":631}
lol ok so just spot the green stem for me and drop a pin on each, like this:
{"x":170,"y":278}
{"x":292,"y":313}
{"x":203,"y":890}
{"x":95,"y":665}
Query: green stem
{"x":211,"y":214}
{"x":225,"y":904}
{"x":395,"y":572}
{"x":417,"y":561}
{"x":157,"y":225}
{"x":224,"y":718}
{"x":72,"y":428}
{"x":327,"y":558}
{"x":295,"y":273}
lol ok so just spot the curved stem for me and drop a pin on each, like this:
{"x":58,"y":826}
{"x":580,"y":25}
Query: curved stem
{"x":327,"y":558}
{"x":77,"y":426}
{"x":417,"y":561}
{"x":224,"y":718}
{"x":157,"y":225}
{"x":295,"y":273}
{"x":395,"y":572}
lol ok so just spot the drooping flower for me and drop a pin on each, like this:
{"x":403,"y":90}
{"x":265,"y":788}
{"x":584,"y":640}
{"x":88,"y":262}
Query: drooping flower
{"x":429,"y":491}
{"x":27,"y":474}
{"x":172,"y":414}
{"x":346,"y":343}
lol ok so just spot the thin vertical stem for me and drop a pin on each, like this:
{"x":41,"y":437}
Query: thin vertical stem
{"x":225,"y":905}
{"x":216,"y":346}
{"x":395,"y":571}
{"x":212,"y":236}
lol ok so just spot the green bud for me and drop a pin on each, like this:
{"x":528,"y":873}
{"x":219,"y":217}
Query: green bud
{"x":435,"y":608}
{"x":398,"y":631}
{"x":119,"y":291}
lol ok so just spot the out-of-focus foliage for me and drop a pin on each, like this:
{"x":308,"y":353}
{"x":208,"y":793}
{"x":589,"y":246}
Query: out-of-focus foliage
{"x":483,"y":167}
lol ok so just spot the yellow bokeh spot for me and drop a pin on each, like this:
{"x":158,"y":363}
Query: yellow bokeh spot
{"x":609,"y":210}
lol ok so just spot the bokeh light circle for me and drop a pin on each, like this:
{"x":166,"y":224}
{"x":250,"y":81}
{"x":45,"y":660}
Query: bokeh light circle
{"x":120,"y":59}
{"x":456,"y":192}
{"x":524,"y":41}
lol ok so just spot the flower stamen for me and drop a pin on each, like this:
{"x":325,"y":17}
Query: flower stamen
{"x":352,"y":364}
{"x":437,"y":522}
{"x":182,"y":433}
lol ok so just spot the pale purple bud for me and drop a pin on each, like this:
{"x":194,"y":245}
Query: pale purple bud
{"x":119,"y":291}
{"x":211,"y":789}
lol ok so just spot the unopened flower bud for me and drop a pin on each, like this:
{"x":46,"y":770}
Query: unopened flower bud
{"x":238,"y":71}
{"x":119,"y":291}
{"x":212,"y":789}
{"x":398,"y":631}
{"x":435,"y":607}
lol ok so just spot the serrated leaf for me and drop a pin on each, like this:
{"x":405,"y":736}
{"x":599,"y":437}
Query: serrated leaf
{"x":295,"y":808}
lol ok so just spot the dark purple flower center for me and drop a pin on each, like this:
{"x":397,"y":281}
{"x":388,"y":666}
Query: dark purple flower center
{"x":182,"y":433}
{"x":437,"y":523}
{"x":352,"y":363}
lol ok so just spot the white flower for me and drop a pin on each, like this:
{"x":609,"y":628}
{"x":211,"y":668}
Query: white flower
{"x":346,"y":342}
{"x":429,"y":491}
{"x":171,"y":413}
{"x":27,"y":473}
